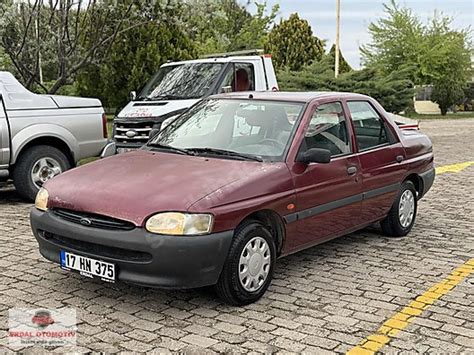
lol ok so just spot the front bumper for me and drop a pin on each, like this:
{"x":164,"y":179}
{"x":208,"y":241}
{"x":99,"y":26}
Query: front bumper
{"x":140,"y":257}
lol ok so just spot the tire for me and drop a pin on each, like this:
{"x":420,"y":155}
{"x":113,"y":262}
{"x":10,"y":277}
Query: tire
{"x":22,"y":174}
{"x":395,"y":225}
{"x":230,"y":288}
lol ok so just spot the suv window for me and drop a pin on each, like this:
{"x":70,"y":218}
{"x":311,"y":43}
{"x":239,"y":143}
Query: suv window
{"x":369,"y":127}
{"x":328,"y":130}
{"x":240,"y":77}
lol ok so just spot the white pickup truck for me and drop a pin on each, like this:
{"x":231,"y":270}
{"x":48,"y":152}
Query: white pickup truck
{"x":44,"y":135}
{"x":179,"y":85}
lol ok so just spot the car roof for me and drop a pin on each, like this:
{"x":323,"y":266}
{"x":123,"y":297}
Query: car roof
{"x":290,"y":96}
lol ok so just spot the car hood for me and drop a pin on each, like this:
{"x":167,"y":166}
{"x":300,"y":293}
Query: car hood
{"x":135,"y":185}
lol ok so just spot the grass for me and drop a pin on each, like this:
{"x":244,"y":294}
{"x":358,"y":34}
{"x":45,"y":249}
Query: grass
{"x":448,"y":116}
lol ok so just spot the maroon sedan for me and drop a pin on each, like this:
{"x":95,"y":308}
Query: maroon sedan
{"x":230,"y":186}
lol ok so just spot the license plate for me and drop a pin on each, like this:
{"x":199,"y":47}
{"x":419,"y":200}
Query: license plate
{"x":124,"y":150}
{"x":87,"y":266}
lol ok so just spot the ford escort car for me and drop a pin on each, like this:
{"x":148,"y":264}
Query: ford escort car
{"x":232,"y":185}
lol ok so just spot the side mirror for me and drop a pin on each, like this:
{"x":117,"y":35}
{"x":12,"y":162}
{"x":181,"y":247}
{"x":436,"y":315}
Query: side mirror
{"x":315,"y":155}
{"x":133,"y":95}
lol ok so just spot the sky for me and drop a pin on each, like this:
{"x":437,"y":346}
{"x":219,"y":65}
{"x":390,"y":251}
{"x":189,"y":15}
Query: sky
{"x":356,"y":15}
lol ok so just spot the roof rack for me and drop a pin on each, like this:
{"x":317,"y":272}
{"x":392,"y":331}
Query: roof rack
{"x":236,"y":53}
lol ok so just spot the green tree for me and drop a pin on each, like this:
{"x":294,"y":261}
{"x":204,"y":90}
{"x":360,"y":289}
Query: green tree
{"x":293,"y":45}
{"x":59,"y":38}
{"x":226,"y":25}
{"x":432,"y":53}
{"x":344,"y":66}
{"x":394,"y":91}
{"x":136,"y":56}
{"x":254,"y":32}
{"x":396,"y":40}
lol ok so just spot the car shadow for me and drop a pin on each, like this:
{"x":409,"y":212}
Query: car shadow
{"x":8,"y":195}
{"x":156,"y":300}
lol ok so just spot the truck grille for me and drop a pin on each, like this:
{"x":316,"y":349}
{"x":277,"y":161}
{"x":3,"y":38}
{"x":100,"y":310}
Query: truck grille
{"x":97,"y":249}
{"x":93,"y":220}
{"x":132,"y":133}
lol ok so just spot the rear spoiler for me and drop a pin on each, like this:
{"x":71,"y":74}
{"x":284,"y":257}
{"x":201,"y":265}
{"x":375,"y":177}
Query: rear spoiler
{"x":405,"y":122}
{"x":408,"y":126}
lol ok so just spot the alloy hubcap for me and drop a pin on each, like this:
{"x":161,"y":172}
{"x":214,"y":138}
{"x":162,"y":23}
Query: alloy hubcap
{"x":45,"y":169}
{"x":406,"y":208}
{"x":254,"y":264}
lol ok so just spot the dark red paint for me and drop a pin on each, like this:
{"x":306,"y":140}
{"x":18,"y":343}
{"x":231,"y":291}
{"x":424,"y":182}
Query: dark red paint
{"x":136,"y":185}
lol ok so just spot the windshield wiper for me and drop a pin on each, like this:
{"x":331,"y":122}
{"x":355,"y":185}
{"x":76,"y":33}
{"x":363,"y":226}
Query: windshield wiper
{"x":168,"y":147}
{"x":166,"y":97}
{"x":224,"y":152}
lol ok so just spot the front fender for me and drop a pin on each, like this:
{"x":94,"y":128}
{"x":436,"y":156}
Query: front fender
{"x":30,"y":133}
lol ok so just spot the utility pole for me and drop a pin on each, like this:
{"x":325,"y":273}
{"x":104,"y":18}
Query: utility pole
{"x":338,"y":18}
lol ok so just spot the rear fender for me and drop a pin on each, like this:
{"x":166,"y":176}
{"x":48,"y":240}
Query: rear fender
{"x":29,"y":134}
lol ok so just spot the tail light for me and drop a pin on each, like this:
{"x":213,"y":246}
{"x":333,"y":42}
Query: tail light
{"x":104,"y":126}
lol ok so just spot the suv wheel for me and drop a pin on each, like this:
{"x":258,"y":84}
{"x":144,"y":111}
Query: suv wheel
{"x":248,"y":270}
{"x":35,"y":166}
{"x":402,"y":215}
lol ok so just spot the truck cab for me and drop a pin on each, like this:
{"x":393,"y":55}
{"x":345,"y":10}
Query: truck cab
{"x":179,"y":85}
{"x":42,"y":136}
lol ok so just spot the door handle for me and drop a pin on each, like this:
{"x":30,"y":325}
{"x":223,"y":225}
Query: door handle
{"x":399,"y":158}
{"x":351,"y":170}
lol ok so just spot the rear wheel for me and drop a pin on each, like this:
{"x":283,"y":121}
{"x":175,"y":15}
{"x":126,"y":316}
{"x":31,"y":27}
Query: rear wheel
{"x":248,"y":270}
{"x":401,"y":217}
{"x":35,"y":166}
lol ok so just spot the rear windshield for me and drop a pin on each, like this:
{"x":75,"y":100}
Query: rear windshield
{"x":182,"y":81}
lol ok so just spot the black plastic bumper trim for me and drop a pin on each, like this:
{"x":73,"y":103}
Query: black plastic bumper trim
{"x":176,"y":261}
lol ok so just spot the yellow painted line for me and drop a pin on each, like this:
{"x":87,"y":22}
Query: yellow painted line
{"x":454,"y":168}
{"x":400,"y":320}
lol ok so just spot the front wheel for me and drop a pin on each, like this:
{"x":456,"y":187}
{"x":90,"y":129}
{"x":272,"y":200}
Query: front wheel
{"x":401,"y":217}
{"x":35,"y":166}
{"x":248,"y":270}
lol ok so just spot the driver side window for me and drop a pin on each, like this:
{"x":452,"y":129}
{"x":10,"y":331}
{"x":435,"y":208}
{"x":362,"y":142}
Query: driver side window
{"x":328,"y":130}
{"x":239,"y":77}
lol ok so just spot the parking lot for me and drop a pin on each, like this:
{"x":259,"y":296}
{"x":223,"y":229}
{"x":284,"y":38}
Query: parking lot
{"x":348,"y":294}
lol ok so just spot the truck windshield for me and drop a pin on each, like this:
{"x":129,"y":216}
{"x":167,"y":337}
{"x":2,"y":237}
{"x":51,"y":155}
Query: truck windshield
{"x":182,"y":81}
{"x":233,"y":129}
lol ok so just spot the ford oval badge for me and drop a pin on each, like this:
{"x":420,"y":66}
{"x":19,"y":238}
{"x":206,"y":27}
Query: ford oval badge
{"x":131,"y":133}
{"x":85,"y":221}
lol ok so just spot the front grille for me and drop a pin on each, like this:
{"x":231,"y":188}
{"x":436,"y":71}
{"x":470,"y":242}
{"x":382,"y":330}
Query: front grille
{"x":93,"y":220}
{"x":138,"y":132}
{"x":97,"y":249}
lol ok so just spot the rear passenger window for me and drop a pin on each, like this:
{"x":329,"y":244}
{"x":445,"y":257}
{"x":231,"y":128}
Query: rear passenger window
{"x":369,"y":127}
{"x":328,"y":130}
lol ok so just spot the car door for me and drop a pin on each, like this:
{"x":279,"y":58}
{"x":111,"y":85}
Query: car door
{"x":380,"y":155}
{"x":328,"y":196}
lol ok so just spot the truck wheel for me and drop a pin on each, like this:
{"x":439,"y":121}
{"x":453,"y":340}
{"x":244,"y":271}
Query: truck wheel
{"x":248,"y":270}
{"x":35,"y":166}
{"x":402,"y":215}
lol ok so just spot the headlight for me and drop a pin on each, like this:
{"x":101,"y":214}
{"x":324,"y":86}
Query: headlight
{"x":175,"y":223}
{"x":41,"y":201}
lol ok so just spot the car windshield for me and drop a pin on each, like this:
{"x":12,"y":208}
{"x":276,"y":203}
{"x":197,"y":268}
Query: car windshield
{"x":183,"y":81}
{"x":236,"y":129}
